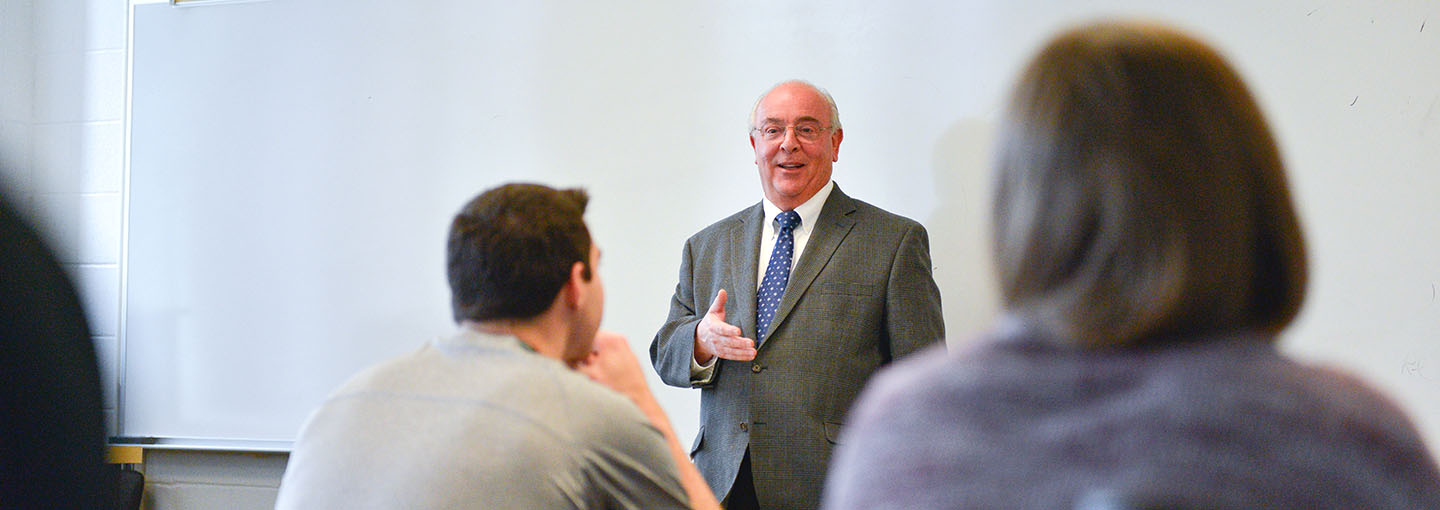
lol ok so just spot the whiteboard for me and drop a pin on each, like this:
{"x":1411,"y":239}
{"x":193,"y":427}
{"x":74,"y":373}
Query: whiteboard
{"x":295,"y":164}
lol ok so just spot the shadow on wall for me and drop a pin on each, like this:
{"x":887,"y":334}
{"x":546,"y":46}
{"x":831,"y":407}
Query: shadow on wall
{"x":959,"y":229}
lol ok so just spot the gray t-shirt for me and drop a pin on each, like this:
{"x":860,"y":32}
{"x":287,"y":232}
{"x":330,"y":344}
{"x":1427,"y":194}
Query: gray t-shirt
{"x":478,"y":421}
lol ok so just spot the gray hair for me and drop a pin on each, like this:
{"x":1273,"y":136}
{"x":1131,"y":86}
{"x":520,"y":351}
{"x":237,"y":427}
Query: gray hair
{"x":829,"y":101}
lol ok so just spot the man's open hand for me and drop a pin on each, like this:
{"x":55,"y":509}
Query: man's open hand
{"x":714,"y":338}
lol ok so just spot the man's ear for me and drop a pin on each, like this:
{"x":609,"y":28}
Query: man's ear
{"x":835,"y":139}
{"x":575,"y":289}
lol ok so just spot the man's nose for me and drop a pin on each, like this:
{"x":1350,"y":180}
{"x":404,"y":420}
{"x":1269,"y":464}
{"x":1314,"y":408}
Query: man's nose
{"x":789,"y":142}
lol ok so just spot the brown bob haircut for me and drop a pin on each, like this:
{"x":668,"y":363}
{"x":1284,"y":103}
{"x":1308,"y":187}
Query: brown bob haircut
{"x":511,"y":249}
{"x":1139,"y":196}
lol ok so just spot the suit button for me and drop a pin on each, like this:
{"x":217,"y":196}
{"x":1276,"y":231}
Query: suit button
{"x":744,"y":426}
{"x":756,"y":368}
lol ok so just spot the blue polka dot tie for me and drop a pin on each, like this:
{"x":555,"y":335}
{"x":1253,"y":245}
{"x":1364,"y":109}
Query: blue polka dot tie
{"x":777,"y":273}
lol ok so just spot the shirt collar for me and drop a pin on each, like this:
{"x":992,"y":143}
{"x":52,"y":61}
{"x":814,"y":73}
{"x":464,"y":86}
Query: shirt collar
{"x":469,"y":338}
{"x":809,"y":211}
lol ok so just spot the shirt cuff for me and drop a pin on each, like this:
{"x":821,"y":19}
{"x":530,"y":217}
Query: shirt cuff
{"x":702,"y":375}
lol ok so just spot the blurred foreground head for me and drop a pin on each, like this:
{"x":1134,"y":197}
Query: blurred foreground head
{"x":1139,"y":195}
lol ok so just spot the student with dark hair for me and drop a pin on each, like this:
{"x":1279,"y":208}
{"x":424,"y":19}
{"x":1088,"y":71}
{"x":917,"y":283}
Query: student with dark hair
{"x":1148,"y":254}
{"x":52,"y":430}
{"x":501,"y":414}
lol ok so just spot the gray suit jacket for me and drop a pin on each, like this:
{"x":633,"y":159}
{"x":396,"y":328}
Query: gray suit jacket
{"x":860,"y":296}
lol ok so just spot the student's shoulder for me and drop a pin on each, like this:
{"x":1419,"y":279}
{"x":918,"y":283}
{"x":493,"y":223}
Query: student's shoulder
{"x":600,"y":415}
{"x":382,"y":374}
{"x":1343,"y":395}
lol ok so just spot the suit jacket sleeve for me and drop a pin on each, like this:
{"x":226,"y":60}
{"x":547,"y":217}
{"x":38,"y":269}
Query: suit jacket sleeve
{"x":913,"y":316}
{"x":673,"y":348}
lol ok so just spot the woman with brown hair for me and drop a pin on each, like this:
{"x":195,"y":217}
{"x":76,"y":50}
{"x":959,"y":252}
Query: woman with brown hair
{"x":1148,"y":255}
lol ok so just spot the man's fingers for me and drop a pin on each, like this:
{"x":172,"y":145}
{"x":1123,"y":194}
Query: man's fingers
{"x":712,"y":326}
{"x":735,"y":342}
{"x":731,"y":347}
{"x":606,"y":340}
{"x":727,"y":330}
{"x":589,"y":368}
{"x":718,"y":305}
{"x":736,"y":353}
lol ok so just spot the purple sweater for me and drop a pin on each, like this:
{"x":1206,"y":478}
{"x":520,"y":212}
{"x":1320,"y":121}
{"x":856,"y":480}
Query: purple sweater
{"x":1016,"y":422}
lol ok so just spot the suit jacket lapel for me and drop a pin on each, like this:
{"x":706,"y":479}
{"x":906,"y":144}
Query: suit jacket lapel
{"x":744,"y":266}
{"x":831,"y":228}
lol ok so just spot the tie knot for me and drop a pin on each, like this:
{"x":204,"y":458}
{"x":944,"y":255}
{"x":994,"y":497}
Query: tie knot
{"x":787,"y":219}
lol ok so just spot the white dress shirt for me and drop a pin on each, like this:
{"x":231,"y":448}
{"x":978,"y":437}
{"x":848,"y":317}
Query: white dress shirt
{"x":809,"y":213}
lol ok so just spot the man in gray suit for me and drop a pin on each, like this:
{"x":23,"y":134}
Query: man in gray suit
{"x":784,"y":309}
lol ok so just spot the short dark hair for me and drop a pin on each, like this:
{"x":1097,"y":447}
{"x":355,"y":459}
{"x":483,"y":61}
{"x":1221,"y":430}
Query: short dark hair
{"x":1139,"y":194}
{"x":511,"y":249}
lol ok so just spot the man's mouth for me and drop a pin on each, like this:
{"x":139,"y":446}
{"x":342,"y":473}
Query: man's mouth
{"x":791,"y":166}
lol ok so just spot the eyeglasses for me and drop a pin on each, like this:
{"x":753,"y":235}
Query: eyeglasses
{"x":806,"y":131}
